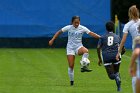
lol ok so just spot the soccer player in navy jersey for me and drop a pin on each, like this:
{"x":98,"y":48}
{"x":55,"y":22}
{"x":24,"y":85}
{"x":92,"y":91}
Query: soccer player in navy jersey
{"x":108,"y":46}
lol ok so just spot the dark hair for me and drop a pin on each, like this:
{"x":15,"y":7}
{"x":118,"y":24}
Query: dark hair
{"x":110,"y":26}
{"x":75,"y":17}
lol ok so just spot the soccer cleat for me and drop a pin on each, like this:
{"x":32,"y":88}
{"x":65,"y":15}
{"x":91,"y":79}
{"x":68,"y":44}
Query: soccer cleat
{"x":85,"y":69}
{"x":119,"y":89}
{"x":71,"y":83}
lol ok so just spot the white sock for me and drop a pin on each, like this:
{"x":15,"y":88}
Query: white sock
{"x":71,"y":74}
{"x":134,"y":84}
{"x":85,"y":55}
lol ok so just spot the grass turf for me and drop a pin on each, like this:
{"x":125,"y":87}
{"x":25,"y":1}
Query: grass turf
{"x":45,"y":71}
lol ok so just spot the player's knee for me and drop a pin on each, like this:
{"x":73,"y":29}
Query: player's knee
{"x":85,"y":50}
{"x":111,"y":76}
{"x":82,"y":50}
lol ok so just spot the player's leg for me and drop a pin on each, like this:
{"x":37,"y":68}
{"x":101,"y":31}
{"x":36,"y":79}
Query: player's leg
{"x":71,"y":59}
{"x":110,"y":70}
{"x":117,"y":75}
{"x":134,"y":84}
{"x":138,"y":77}
{"x":112,"y":75}
{"x":117,"y":66}
{"x":138,"y":85}
{"x":84,"y":52}
{"x":134,"y":80}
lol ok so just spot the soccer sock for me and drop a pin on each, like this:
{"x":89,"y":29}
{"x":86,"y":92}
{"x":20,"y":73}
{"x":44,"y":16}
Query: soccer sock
{"x":134,"y":84}
{"x":118,"y":81}
{"x":85,"y":55}
{"x":117,"y":75}
{"x":71,"y":74}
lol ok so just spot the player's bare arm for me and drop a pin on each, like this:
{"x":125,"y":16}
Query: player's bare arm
{"x":55,"y":36}
{"x":123,"y":42}
{"x":94,"y":35}
{"x":121,"y":45}
{"x":99,"y":55}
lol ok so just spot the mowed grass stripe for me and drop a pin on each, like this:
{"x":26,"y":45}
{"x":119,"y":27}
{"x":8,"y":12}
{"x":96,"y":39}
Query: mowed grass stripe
{"x":24,"y":57}
{"x":45,"y":71}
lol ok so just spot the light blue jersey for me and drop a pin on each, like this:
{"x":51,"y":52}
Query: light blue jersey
{"x":132,"y":27}
{"x":75,"y":35}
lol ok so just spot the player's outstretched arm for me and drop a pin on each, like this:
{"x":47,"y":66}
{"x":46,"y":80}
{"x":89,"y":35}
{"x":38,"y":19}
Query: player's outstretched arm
{"x":94,"y":35}
{"x":55,"y":36}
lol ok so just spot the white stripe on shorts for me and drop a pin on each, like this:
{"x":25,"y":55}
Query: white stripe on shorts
{"x":106,"y":64}
{"x":117,"y":62}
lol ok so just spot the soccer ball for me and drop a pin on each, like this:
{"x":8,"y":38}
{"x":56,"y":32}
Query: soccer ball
{"x":85,"y":62}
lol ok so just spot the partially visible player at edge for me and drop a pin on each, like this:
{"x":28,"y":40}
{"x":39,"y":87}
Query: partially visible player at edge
{"x":74,"y":44}
{"x":132,"y":28}
{"x":136,"y":58}
{"x":108,"y":46}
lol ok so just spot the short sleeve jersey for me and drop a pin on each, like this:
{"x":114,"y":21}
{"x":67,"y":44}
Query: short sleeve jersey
{"x":109,"y":44}
{"x":75,"y":34}
{"x":133,"y":27}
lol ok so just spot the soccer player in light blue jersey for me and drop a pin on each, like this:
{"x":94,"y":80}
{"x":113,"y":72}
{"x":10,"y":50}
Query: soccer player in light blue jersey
{"x":74,"y":44}
{"x":131,"y":27}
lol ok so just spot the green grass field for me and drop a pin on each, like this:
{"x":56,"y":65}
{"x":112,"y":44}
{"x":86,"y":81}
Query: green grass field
{"x":45,"y":71}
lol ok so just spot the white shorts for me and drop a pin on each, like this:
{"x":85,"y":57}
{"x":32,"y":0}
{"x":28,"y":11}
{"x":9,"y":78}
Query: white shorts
{"x":73,"y":51}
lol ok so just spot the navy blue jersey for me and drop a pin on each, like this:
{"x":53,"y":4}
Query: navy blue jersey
{"x":109,"y":44}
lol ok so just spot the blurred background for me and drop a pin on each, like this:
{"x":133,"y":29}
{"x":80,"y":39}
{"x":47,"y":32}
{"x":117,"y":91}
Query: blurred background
{"x":32,"y":23}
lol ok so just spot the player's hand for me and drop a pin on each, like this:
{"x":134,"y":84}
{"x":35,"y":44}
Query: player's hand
{"x":118,"y":57}
{"x":123,"y":50}
{"x":100,"y":62}
{"x":51,"y":42}
{"x":131,"y":71}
